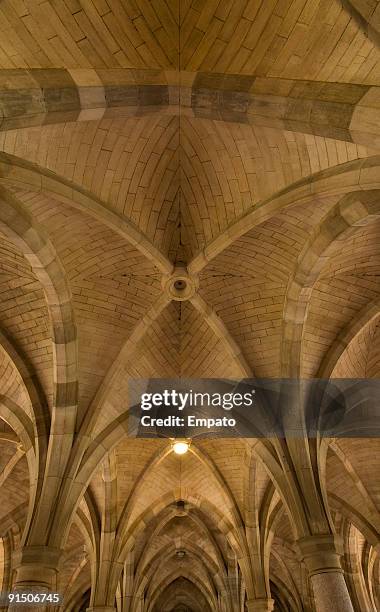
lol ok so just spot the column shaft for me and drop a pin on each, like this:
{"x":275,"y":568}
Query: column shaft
{"x":321,"y":555}
{"x":330,"y":592}
{"x":260,"y":605}
{"x":36,"y":570}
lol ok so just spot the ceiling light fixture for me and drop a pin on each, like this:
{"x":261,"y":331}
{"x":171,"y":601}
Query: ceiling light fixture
{"x":180,"y":554}
{"x":180,"y":448}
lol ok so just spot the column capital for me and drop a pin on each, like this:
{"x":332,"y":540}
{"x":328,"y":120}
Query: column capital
{"x":260,"y":605}
{"x":321,"y":553}
{"x":40,"y":555}
{"x":36,"y":565}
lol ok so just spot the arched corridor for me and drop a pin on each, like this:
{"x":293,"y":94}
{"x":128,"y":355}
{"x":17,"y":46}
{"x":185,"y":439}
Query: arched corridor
{"x":189,"y":189}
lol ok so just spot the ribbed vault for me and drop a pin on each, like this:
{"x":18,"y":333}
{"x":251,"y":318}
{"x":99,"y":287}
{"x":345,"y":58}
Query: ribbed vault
{"x":238,"y":140}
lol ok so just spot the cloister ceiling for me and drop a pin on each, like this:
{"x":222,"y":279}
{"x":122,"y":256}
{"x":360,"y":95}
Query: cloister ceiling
{"x":239,"y":140}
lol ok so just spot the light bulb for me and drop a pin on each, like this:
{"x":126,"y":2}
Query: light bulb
{"x":180,"y":448}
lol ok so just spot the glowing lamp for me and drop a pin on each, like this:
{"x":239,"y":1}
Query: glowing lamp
{"x":180,"y":448}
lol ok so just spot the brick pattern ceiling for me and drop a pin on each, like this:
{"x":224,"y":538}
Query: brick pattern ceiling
{"x":237,"y":140}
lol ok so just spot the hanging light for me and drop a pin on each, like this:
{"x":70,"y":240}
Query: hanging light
{"x":180,"y":447}
{"x":180,"y":554}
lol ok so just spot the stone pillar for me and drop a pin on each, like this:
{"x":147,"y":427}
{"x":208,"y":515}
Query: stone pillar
{"x":36,"y":570}
{"x":126,"y":603}
{"x":139,"y":604}
{"x":260,"y":605}
{"x":321,"y":555}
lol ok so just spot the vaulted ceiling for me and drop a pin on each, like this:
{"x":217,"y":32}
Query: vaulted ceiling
{"x":239,"y":142}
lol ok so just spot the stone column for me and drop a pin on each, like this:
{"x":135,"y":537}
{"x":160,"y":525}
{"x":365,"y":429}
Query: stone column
{"x":140,"y":604}
{"x":260,"y":605}
{"x":321,"y":555}
{"x":36,"y":570}
{"x":126,"y":603}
